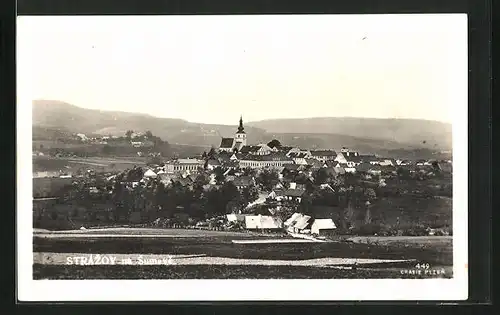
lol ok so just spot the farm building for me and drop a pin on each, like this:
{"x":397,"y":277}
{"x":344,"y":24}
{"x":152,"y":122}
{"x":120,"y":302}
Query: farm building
{"x":235,"y":217}
{"x":292,"y":219}
{"x":262,"y":222}
{"x":323,"y":227}
{"x":298,"y":223}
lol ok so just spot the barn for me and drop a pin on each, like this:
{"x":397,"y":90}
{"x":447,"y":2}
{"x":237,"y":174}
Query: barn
{"x":323,"y":227}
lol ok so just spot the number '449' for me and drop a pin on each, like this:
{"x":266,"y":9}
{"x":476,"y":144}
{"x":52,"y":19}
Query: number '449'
{"x":422,"y":266}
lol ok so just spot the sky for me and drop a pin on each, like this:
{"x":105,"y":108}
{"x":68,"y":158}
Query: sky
{"x":212,"y":69}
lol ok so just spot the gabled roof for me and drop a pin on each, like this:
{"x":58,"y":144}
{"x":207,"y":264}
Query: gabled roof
{"x":224,"y":157}
{"x":445,"y":166}
{"x":314,"y":162}
{"x":262,"y":222}
{"x":326,"y":186}
{"x":330,"y":163}
{"x":353,"y":158}
{"x":188,"y":161}
{"x":324,"y":224}
{"x":294,"y":192}
{"x":364,"y":167}
{"x":184,"y":181}
{"x":292,"y":219}
{"x":226,"y":143}
{"x":302,"y":222}
{"x":275,"y":156}
{"x":249,"y":148}
{"x":323,"y":153}
{"x":368,"y":157}
{"x":375,"y":167}
{"x":213,"y":162}
{"x":291,"y":167}
{"x":149,"y":173}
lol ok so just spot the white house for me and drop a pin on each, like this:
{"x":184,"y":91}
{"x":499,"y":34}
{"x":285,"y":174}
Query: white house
{"x":262,"y":222}
{"x":235,"y":217}
{"x":298,"y":223}
{"x":402,"y":162}
{"x":344,"y":155}
{"x":323,"y":155}
{"x":292,"y":219}
{"x":323,"y":227}
{"x":387,"y":162}
{"x":150,"y":174}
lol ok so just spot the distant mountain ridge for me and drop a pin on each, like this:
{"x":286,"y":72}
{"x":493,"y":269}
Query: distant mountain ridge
{"x":424,"y":133}
{"x":56,"y":117}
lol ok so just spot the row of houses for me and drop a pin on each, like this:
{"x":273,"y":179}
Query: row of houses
{"x":297,"y":224}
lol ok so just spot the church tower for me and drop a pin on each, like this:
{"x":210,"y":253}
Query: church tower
{"x":240,"y":138}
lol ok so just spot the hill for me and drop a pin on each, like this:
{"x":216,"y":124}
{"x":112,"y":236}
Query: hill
{"x":50,"y":114}
{"x":415,"y":132}
{"x":53,"y":120}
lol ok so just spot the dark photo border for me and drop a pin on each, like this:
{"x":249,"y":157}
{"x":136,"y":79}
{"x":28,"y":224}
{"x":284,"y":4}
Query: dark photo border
{"x":479,"y":118}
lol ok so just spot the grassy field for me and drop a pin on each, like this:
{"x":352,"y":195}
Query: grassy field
{"x":434,"y":254}
{"x":41,"y":164}
{"x":217,"y":245}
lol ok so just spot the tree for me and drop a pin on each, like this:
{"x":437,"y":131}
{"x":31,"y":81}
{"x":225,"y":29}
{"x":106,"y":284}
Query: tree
{"x":219,"y":176}
{"x":249,"y":194}
{"x":249,"y":171}
{"x":370,"y":195}
{"x":149,"y":134}
{"x":198,"y":187}
{"x":211,"y":153}
{"x":320,"y":176}
{"x":154,"y":160}
{"x":204,"y":155}
{"x":338,"y":181}
{"x":267,"y":180}
{"x":274,"y":144}
{"x":286,"y":212}
{"x":128,"y":134}
{"x":349,"y":215}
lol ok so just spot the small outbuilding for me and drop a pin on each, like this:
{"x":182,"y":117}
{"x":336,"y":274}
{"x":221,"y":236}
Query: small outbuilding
{"x":323,"y":227}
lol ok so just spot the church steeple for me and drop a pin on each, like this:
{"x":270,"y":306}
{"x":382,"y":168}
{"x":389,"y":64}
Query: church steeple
{"x":241,"y":129}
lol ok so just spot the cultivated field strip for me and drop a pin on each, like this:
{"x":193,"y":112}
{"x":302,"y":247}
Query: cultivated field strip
{"x":155,"y":259}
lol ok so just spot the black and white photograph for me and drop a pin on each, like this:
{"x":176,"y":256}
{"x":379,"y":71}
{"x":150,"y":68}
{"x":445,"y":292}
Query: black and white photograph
{"x":242,"y":157}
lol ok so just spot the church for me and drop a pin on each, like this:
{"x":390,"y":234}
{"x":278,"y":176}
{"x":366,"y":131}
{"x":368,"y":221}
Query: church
{"x":237,"y":142}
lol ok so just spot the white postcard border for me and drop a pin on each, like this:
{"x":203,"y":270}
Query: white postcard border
{"x":204,"y":290}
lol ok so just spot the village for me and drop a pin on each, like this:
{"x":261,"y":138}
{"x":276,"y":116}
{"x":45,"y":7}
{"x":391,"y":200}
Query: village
{"x":266,"y":187}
